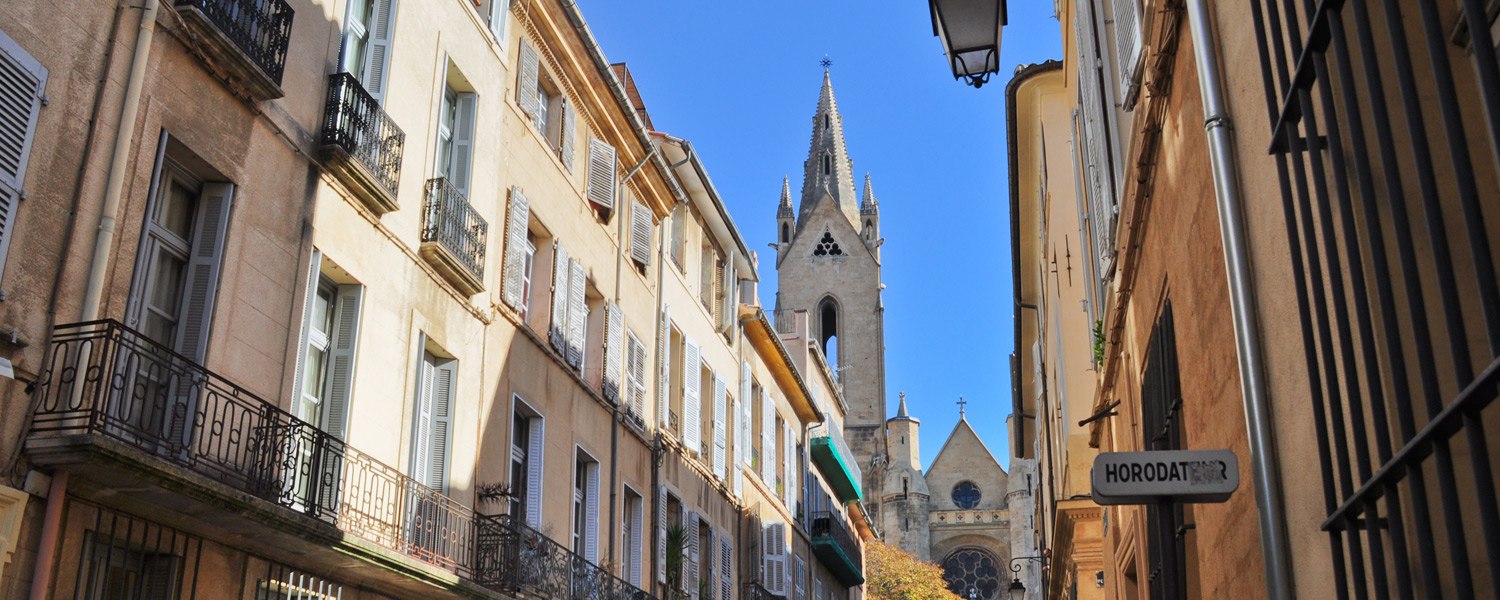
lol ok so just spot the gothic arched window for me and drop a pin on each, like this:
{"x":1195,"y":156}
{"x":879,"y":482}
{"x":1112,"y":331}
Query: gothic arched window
{"x":966,"y":494}
{"x":972,"y":573}
{"x":827,"y":246}
{"x":827,"y":164}
{"x":785,"y":233}
{"x":828,"y":329}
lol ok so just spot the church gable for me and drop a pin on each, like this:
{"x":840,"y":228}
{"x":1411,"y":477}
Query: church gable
{"x":965,"y":458}
{"x":825,"y":229}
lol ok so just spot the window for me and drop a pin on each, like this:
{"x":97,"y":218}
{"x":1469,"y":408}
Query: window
{"x":586,"y":507}
{"x":432,"y":419}
{"x":22,"y":81}
{"x":330,"y":333}
{"x":526,"y":447}
{"x":455,"y":137}
{"x":827,"y":246}
{"x":677,"y":348}
{"x":635,"y":377}
{"x":966,"y":495}
{"x":1161,"y":428}
{"x":642,"y":226}
{"x":528,"y":266}
{"x":972,"y":573}
{"x":543,"y":102}
{"x":786,"y":233}
{"x":827,"y":164}
{"x":679,"y":236}
{"x":520,"y":253}
{"x":569,"y":307}
{"x":706,"y":260}
{"x":280,"y":582}
{"x":498,"y":14}
{"x":828,"y":331}
{"x":546,"y":103}
{"x":366,"y":51}
{"x":631,"y":537}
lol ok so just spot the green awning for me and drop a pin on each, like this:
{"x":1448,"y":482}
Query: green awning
{"x":838,"y":467}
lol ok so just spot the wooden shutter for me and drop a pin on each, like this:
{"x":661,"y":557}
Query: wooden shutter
{"x":614,"y":349}
{"x":530,"y":68}
{"x":558,"y":331}
{"x":661,"y":533}
{"x":591,"y":512}
{"x":203,"y":269}
{"x":721,"y":432}
{"x":421,"y":446}
{"x":22,"y":80}
{"x":535,"y":446}
{"x":800,"y":578}
{"x":444,"y":376}
{"x":341,"y":352}
{"x":640,"y":234}
{"x":690,"y":581}
{"x":691,"y":383}
{"x":518,"y":219}
{"x":775,"y":558}
{"x":743,"y":435}
{"x":663,"y":366}
{"x":637,"y":521}
{"x":569,"y":131}
{"x":160,"y":576}
{"x":378,"y":61}
{"x":637,"y":374}
{"x":1128,"y":49}
{"x":726,"y":568}
{"x":1096,"y":153}
{"x":789,"y":467}
{"x":767,"y":439}
{"x":463,"y":142}
{"x":577,"y":312}
{"x":309,"y":297}
{"x":601,"y":174}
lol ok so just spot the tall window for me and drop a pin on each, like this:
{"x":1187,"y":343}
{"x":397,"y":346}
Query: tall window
{"x":447,"y":123}
{"x":1161,"y":428}
{"x":632,"y":537}
{"x":520,"y":461}
{"x":315,"y":369}
{"x":432,"y":420}
{"x":455,"y":136}
{"x":679,"y":235}
{"x":526,"y":460}
{"x":543,"y":101}
{"x":528,"y":268}
{"x":366,"y":51}
{"x":586,"y":507}
{"x":330,"y":334}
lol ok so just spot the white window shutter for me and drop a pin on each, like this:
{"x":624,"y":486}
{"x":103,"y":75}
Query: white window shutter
{"x":614,"y":350}
{"x":499,"y":19}
{"x":530,"y":68}
{"x":534,"y":464}
{"x":444,"y":376}
{"x":640,"y":233}
{"x":664,"y":366}
{"x":661,"y":533}
{"x":768,"y":439}
{"x":345,"y":344}
{"x":421,"y":447}
{"x":775,"y":558}
{"x":518,"y":220}
{"x":378,"y":61}
{"x":721,"y":431}
{"x":22,"y":81}
{"x":309,"y":297}
{"x":203,"y":269}
{"x":601,"y":190}
{"x":691,"y":384}
{"x":637,"y":521}
{"x":742,"y":436}
{"x":1097,"y":169}
{"x":726,"y":568}
{"x":1128,"y":49}
{"x":577,"y":312}
{"x":799,"y":578}
{"x":464,"y":120}
{"x":789,"y":464}
{"x":569,"y":131}
{"x":591,"y":516}
{"x":561,"y":276}
{"x":637,"y":371}
{"x":817,"y":588}
{"x":690,"y":581}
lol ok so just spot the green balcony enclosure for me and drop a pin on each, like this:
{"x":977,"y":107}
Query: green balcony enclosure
{"x":837,"y":548}
{"x":836,"y":463}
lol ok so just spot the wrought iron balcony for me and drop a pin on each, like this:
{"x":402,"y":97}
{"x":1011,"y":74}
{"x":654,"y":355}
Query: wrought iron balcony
{"x":837,"y":463}
{"x":361,"y":144}
{"x":454,"y":236}
{"x":837,"y":548}
{"x":246,"y":40}
{"x":786,"y":323}
{"x":755,"y":591}
{"x":180,"y":420}
{"x":513,"y":557}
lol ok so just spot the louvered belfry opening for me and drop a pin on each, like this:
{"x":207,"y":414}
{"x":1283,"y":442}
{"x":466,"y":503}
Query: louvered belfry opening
{"x":1384,"y":119}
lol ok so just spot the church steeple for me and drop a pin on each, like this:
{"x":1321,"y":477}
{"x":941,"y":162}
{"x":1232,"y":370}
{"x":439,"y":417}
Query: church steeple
{"x":828,"y":167}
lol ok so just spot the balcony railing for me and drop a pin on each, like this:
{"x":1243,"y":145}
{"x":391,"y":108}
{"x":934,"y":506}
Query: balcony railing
{"x":104,"y":379}
{"x":516,"y":558}
{"x":755,"y":591}
{"x":453,"y":235}
{"x":786,"y":323}
{"x":836,"y":548}
{"x":836,"y":462}
{"x":258,"y":30}
{"x":362,"y":143}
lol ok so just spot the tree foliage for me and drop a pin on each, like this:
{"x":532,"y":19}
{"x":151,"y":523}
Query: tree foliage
{"x":891,"y":574}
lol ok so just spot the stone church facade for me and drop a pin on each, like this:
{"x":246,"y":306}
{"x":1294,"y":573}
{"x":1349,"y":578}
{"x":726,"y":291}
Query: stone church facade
{"x":956,"y":514}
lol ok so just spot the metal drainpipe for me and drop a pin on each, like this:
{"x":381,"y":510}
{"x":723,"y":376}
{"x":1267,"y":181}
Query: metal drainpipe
{"x":1264,"y":469}
{"x":41,"y":577}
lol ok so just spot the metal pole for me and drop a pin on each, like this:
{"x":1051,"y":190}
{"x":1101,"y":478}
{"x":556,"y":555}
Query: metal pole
{"x":1264,"y":469}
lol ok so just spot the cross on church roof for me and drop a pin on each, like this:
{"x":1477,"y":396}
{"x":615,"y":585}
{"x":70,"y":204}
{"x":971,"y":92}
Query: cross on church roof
{"x":826,"y":62}
{"x":961,"y":403}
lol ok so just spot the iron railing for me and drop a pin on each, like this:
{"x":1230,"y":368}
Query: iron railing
{"x":102,"y":378}
{"x":835,"y":437}
{"x":786,"y":323}
{"x":756,"y":591}
{"x":354,"y":121}
{"x":830,"y":524}
{"x":1385,"y":122}
{"x":513,"y":557}
{"x":449,"y":221}
{"x":259,"y":28}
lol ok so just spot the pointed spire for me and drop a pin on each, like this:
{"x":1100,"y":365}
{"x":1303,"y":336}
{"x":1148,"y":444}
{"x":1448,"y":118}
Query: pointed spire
{"x":828,"y":168}
{"x":785,"y":209}
{"x":870,"y":205}
{"x":901,"y":410}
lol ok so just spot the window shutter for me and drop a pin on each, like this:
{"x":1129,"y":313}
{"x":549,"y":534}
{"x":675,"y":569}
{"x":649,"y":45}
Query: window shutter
{"x":378,"y":62}
{"x":341,"y":360}
{"x":726,"y":569}
{"x":691,"y":572}
{"x":768,"y":439}
{"x":789,"y":463}
{"x":421,"y":458}
{"x":499,"y":19}
{"x":569,"y":131}
{"x":160,"y":576}
{"x":444,"y":375}
{"x":203,"y":269}
{"x":601,"y":174}
{"x":637,"y":370}
{"x":664,"y":366}
{"x":817,"y":588}
{"x":637,"y":521}
{"x":742,"y":436}
{"x":577,"y":313}
{"x":591,"y":516}
{"x":309,"y":297}
{"x":463,"y":142}
{"x":518,"y":219}
{"x":1128,"y":49}
{"x":691,"y":384}
{"x":534,"y":449}
{"x":614,"y":348}
{"x":22,"y":79}
{"x":800,"y":578}
{"x":775,"y":558}
{"x":558,"y":331}
{"x":640,"y":233}
{"x":661,"y":533}
{"x":1097,"y":169}
{"x":529,"y":68}
{"x":726,"y":311}
{"x":721,"y":432}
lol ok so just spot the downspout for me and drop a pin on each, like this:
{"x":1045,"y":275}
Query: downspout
{"x":57,"y":492}
{"x":1264,"y":468}
{"x":614,"y":428}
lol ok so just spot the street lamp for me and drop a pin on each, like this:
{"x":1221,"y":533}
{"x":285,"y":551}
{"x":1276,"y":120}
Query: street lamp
{"x":970,"y":30}
{"x":1018,"y":589}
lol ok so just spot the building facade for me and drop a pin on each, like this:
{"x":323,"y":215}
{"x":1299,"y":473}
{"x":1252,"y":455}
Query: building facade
{"x":1304,"y":281}
{"x":287,"y":324}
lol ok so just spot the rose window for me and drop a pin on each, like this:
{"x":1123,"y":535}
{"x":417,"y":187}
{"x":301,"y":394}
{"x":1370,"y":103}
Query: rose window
{"x":972,"y":574}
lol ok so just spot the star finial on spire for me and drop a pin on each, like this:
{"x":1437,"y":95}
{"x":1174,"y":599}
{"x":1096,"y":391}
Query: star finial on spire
{"x":901,"y":409}
{"x":961,"y":403}
{"x":826,"y":62}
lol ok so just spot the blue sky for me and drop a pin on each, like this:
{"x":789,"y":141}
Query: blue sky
{"x":741,"y":79}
